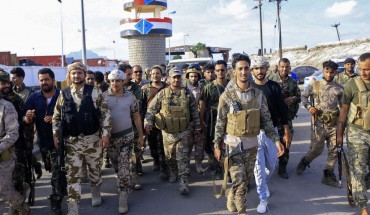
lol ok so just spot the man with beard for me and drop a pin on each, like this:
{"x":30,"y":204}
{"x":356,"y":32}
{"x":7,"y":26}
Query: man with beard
{"x":242,"y":112}
{"x":355,"y":114}
{"x":39,"y":110}
{"x":327,"y":96}
{"x":266,"y":154}
{"x":171,"y":110}
{"x":155,"y":136}
{"x":86,"y":129}
{"x":292,"y":98}
{"x":17,"y":76}
{"x":208,"y":103}
{"x":22,"y":147}
{"x":138,"y":76}
{"x":349,"y":72}
{"x":134,"y":88}
{"x":193,"y":75}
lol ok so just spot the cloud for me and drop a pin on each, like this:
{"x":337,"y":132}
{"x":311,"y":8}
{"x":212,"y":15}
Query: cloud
{"x":340,"y":8}
{"x":236,"y":8}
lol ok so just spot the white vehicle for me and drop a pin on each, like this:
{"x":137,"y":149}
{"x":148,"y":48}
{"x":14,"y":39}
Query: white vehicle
{"x":180,"y":62}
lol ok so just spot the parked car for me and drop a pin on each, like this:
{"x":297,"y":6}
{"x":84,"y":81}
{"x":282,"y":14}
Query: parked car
{"x":178,"y":63}
{"x":317,"y":76}
{"x":304,"y":71}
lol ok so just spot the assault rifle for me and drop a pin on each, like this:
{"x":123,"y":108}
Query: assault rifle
{"x":341,"y":153}
{"x":30,"y":176}
{"x":313,"y":117}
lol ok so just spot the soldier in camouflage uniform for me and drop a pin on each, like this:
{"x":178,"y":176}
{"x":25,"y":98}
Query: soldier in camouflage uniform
{"x":122,"y":105}
{"x":355,"y":114}
{"x":17,"y":77}
{"x":171,"y":110}
{"x":208,"y":74}
{"x":154,"y":138}
{"x":138,"y":76}
{"x":239,"y":132}
{"x":39,"y":110}
{"x":349,"y":72}
{"x":86,"y":118}
{"x":292,"y":98}
{"x":8,"y":136}
{"x":208,"y":112}
{"x":134,"y":88}
{"x":193,"y":75}
{"x":23,"y":145}
{"x":326,"y":99}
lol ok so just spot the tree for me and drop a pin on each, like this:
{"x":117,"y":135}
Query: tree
{"x":198,"y":47}
{"x":176,"y":57}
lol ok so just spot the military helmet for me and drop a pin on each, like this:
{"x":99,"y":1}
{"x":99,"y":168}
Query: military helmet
{"x":193,"y":69}
{"x":4,"y":76}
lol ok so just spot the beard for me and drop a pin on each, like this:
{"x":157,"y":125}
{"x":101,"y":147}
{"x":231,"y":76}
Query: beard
{"x":5,"y":91}
{"x":47,"y":88}
{"x":260,"y":77}
{"x":79,"y":81}
{"x":329,"y":79}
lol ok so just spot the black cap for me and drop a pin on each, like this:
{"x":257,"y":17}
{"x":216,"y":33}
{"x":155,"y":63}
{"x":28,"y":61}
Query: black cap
{"x":350,"y":60}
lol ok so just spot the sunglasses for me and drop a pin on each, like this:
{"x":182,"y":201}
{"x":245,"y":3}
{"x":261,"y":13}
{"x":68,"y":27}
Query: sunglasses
{"x":138,"y":71}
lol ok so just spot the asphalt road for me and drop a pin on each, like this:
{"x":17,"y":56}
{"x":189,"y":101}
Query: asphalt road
{"x":304,"y":195}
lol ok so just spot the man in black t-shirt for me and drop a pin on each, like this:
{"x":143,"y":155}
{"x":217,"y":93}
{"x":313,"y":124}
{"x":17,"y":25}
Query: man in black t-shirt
{"x":267,"y":153}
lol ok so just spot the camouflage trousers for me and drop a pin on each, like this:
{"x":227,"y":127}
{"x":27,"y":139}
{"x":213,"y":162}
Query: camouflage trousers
{"x":358,"y":155}
{"x":79,"y":148}
{"x":7,"y":190}
{"x":240,"y":170}
{"x":120,"y":151}
{"x":321,"y":135}
{"x":176,"y":151}
{"x":198,"y":143}
{"x":136,"y":166}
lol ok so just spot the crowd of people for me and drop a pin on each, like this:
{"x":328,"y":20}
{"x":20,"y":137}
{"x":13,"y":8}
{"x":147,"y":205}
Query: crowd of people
{"x":241,"y":120}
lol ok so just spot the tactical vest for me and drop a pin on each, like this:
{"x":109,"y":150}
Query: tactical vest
{"x":359,"y":114}
{"x":328,"y":118}
{"x":244,"y":121}
{"x":86,"y":119}
{"x":293,"y":108}
{"x":173,"y":119}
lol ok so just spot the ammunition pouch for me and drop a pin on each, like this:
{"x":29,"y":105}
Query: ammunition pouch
{"x":244,"y":123}
{"x":7,"y":154}
{"x":329,"y":118}
{"x":359,"y":114}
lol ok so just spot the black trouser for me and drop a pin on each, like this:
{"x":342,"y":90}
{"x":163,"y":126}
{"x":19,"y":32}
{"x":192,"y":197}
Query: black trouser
{"x":283,"y":160}
{"x":210,"y":120}
{"x":155,"y":141}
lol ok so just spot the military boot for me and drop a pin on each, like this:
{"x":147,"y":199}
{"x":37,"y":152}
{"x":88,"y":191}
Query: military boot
{"x":95,"y":196}
{"x":198,"y":166}
{"x":123,"y":207}
{"x":173,"y":176}
{"x":302,"y":166}
{"x":329,"y":178}
{"x":73,"y":208}
{"x":38,"y":169}
{"x":56,"y":203}
{"x":135,"y":181}
{"x":183,"y":185}
{"x":230,"y":202}
{"x":282,"y":171}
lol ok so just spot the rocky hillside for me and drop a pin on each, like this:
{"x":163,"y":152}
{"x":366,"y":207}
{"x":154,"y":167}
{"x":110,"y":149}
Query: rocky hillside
{"x":324,"y":51}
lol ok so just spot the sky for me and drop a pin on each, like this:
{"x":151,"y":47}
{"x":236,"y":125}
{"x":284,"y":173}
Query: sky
{"x":33,"y":27}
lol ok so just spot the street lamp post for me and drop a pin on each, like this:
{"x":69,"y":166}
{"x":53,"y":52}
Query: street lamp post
{"x":185,"y":35}
{"x":169,"y":38}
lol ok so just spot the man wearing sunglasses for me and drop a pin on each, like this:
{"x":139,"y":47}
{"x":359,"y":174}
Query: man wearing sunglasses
{"x":138,"y":76}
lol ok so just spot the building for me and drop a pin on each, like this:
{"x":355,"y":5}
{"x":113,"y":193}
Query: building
{"x":50,"y":60}
{"x":8,"y":59}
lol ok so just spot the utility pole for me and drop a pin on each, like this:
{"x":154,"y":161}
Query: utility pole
{"x":61,"y":32}
{"x":336,"y":27}
{"x":84,"y":61}
{"x":279,"y":27}
{"x":261,"y":40}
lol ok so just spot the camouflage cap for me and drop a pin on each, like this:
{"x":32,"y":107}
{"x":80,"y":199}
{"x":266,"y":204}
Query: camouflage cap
{"x":117,"y":75}
{"x":76,"y":65}
{"x":158,"y":67}
{"x":259,"y":61}
{"x":175,"y":72}
{"x":4,"y":76}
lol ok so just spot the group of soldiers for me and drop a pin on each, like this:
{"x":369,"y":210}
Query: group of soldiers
{"x":241,"y":120}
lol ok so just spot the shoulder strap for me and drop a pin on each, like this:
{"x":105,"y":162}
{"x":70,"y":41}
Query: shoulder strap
{"x":316,"y":88}
{"x":360,"y":85}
